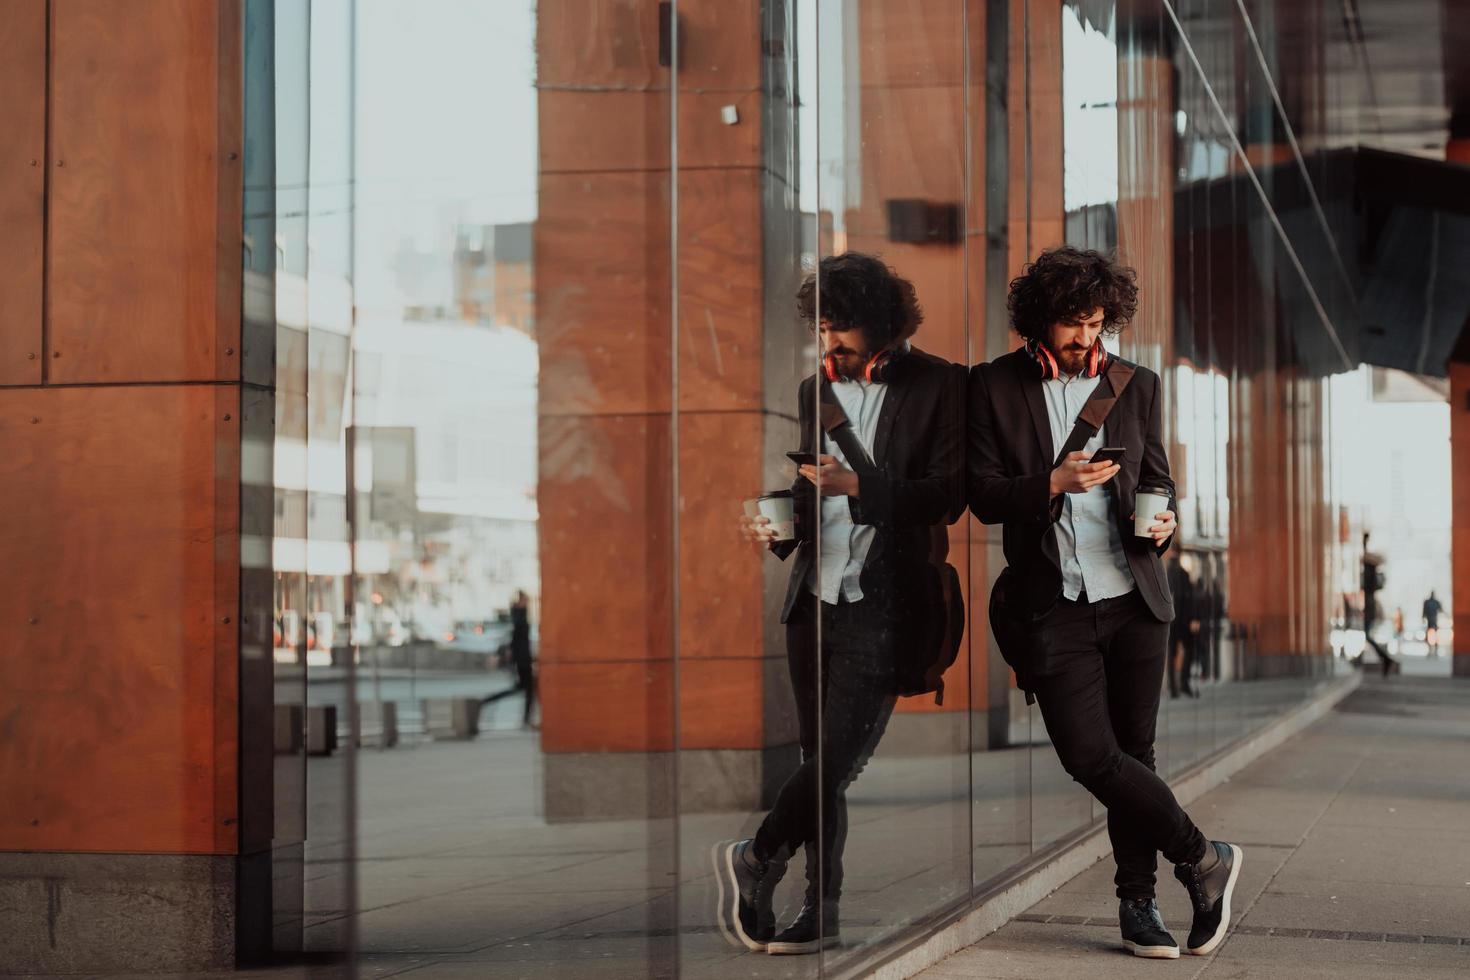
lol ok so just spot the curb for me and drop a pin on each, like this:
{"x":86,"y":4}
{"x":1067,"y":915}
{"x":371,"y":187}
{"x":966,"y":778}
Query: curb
{"x":1034,"y":881}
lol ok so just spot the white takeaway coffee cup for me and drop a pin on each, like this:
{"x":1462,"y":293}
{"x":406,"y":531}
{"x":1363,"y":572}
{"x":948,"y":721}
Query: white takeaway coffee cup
{"x":775,"y":507}
{"x":1146,"y":504}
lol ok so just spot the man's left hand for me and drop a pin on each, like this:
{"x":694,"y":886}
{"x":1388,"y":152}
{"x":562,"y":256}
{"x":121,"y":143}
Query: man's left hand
{"x":1167,"y":525}
{"x":834,"y":479}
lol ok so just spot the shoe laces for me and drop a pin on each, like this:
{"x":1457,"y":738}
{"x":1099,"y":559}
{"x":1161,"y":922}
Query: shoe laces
{"x":767,"y":876}
{"x":1196,"y":888}
{"x":1145,"y":912}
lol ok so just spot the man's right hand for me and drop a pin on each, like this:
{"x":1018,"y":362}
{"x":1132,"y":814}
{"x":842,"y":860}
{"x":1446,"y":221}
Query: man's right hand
{"x":1077,"y":475}
{"x":757,"y":530}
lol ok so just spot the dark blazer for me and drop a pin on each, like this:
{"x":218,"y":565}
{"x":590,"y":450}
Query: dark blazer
{"x":1009,"y":462}
{"x":917,"y":486}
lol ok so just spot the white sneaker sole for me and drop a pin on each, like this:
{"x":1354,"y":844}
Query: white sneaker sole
{"x":796,"y":949}
{"x":1152,"y":952}
{"x":1224,"y":925}
{"x":723,"y":855}
{"x":717,"y":859}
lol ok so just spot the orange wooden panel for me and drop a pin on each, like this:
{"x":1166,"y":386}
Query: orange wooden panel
{"x":911,"y":42}
{"x":706,"y":140}
{"x":721,"y":324}
{"x":1035,"y":177}
{"x":603,"y":293}
{"x":976,"y":216}
{"x":118,"y":683}
{"x":1044,"y":46}
{"x":720,"y":47}
{"x":623,"y":706}
{"x":722,"y":704}
{"x":913,"y":147}
{"x":601,"y":130}
{"x":144,"y":256}
{"x":22,"y":187}
{"x":606,"y":543}
{"x":229,"y":226}
{"x":1145,"y":212}
{"x":613,"y":44}
{"x":721,"y":603}
{"x":596,"y":130}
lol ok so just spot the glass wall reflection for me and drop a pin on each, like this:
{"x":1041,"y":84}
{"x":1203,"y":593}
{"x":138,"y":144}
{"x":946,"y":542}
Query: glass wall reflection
{"x":513,"y":517}
{"x":541,"y":362}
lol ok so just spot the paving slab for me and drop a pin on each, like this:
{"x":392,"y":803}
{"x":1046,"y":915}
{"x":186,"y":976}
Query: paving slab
{"x":1357,"y":860}
{"x":1277,"y":957}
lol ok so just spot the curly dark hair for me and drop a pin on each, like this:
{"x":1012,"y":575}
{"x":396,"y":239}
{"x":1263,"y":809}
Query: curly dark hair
{"x":1064,"y":285}
{"x":861,"y":291}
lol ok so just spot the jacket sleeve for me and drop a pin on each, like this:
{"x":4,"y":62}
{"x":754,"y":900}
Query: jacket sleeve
{"x":803,"y":493}
{"x":936,"y":496}
{"x":1154,"y":470}
{"x":994,"y":495}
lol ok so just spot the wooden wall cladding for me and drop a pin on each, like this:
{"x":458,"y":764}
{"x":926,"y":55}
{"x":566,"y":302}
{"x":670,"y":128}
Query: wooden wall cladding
{"x":144,"y":259}
{"x":602,"y":293}
{"x":614,"y":44}
{"x":118,"y":680}
{"x":607,"y":560}
{"x":22,"y":187}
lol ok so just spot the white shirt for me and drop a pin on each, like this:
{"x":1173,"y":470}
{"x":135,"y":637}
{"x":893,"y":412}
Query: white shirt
{"x":1088,"y":541}
{"x":845,"y":544}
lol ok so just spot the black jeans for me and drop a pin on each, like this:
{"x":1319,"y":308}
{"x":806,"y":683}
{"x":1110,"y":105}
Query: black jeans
{"x":1099,"y":672}
{"x":525,"y":683}
{"x":1387,"y":662}
{"x":857,"y":691}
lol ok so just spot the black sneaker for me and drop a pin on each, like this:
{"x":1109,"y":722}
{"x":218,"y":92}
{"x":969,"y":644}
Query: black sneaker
{"x":744,"y":912}
{"x":804,"y":934}
{"x":1210,"y":885}
{"x":1143,"y":930}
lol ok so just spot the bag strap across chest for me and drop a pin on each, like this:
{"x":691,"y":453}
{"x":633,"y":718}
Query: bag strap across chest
{"x":1099,"y":405}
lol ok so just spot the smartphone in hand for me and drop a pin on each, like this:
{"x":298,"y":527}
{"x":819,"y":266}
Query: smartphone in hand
{"x":803,"y":459}
{"x":1108,"y":454}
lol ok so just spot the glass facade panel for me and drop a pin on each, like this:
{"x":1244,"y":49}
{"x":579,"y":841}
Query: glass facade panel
{"x":554,"y":325}
{"x":1003,"y":786}
{"x":892,"y":183}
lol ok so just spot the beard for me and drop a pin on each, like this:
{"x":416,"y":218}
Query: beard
{"x":1073,"y":359}
{"x":849,"y":362}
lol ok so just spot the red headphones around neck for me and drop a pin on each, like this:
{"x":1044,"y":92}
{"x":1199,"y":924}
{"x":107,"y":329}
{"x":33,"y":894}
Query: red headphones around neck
{"x":876,"y":370}
{"x":1050,"y":370}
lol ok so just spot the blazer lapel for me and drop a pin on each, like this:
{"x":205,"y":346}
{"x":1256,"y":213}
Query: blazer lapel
{"x":1040,"y":421}
{"x":1097,"y":408}
{"x":898,"y":389}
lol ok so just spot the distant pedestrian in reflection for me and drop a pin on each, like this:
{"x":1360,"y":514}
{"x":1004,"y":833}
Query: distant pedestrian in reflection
{"x":1184,"y":630}
{"x":886,"y":480}
{"x":1082,"y":612}
{"x":1211,"y":626}
{"x":1373,"y":581}
{"x":520,"y":658}
{"x":1431,"y":610}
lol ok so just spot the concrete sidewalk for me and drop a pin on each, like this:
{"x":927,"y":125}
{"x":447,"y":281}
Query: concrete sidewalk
{"x":1357,"y":860}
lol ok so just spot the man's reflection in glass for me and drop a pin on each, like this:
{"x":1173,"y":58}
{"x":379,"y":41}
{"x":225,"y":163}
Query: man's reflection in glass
{"x":887,"y":476}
